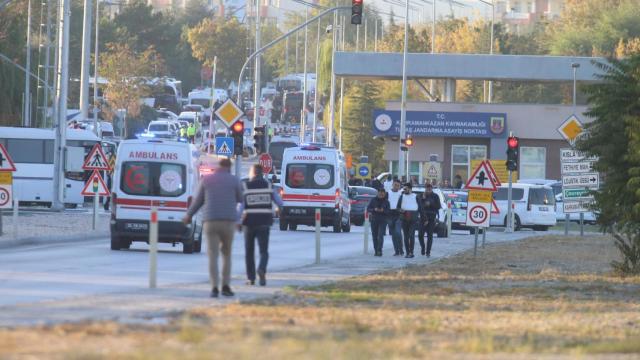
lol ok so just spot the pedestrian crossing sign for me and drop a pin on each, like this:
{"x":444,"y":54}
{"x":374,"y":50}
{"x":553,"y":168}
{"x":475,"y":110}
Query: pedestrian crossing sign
{"x":224,"y":146}
{"x":96,"y":160}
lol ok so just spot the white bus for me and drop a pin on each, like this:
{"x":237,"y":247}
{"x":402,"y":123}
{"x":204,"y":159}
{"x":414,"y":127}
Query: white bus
{"x":32,"y":152}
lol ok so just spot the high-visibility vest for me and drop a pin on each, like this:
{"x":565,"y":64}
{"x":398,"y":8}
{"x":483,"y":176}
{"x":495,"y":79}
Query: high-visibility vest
{"x":183,"y":131}
{"x":191,"y":131}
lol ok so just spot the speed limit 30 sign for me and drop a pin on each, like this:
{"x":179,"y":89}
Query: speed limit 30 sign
{"x":478,"y":214}
{"x":6,"y":200}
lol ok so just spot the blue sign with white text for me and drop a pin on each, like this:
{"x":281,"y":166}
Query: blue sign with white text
{"x":440,"y":124}
{"x":224,"y":146}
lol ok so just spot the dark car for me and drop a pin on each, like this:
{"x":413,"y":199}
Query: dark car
{"x":360,"y":199}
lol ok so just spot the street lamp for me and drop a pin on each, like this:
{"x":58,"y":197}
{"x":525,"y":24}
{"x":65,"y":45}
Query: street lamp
{"x":403,"y":102}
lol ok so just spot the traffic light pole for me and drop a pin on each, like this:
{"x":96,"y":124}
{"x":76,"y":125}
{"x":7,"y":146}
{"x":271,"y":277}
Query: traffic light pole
{"x":509,"y":227}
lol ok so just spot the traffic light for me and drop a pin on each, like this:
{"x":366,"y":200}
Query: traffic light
{"x":258,"y":138}
{"x":406,"y":143}
{"x":356,"y":12}
{"x":513,"y":150}
{"x":237,"y":132}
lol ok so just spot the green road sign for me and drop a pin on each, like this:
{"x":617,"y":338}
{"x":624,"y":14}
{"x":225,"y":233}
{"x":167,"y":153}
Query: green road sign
{"x":576,"y":194}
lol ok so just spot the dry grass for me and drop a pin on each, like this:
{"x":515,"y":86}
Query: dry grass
{"x":542,"y":297}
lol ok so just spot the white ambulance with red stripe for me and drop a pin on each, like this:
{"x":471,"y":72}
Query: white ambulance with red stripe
{"x":158,"y":172}
{"x":314,"y":177}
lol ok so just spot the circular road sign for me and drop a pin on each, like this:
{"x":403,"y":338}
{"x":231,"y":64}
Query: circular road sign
{"x":266,"y":162}
{"x":363,"y":171}
{"x":5,"y":197}
{"x":479,"y":214}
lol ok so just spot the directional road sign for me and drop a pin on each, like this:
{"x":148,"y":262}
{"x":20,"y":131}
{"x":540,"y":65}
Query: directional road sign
{"x":585,"y":181}
{"x":94,"y":185}
{"x":96,"y":160}
{"x":577,"y":206}
{"x":572,"y":155}
{"x":224,"y":146}
{"x":576,"y":194}
{"x":364,"y":170}
{"x":571,"y":128}
{"x":229,"y":113}
{"x":482,"y":179}
{"x":266,"y":162}
{"x":6,"y":198}
{"x":6,"y":164}
{"x":576,"y":167}
{"x":478,"y":214}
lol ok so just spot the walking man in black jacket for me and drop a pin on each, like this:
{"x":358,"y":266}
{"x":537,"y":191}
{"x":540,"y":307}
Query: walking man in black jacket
{"x":379,"y":210}
{"x":257,"y":217}
{"x":429,"y":205}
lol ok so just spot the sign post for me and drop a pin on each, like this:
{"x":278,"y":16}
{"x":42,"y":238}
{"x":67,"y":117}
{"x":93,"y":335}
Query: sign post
{"x":366,"y":232}
{"x":578,"y":180}
{"x":229,"y":112}
{"x":153,"y":245}
{"x":96,"y":161}
{"x":482,"y":183}
{"x":317,"y":236}
{"x":6,"y":167}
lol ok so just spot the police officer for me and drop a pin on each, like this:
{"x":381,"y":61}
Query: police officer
{"x":191,"y":133}
{"x":429,"y":207}
{"x":257,"y":217}
{"x":183,"y":132}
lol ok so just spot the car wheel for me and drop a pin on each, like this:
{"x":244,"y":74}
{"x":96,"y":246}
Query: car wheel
{"x":115,"y":242}
{"x":188,"y":246}
{"x":347,"y":227}
{"x":293,"y":226}
{"x":197,"y":248}
{"x":442,"y":230}
{"x":337,"y":223}
{"x":283,"y":225}
{"x":516,"y":223}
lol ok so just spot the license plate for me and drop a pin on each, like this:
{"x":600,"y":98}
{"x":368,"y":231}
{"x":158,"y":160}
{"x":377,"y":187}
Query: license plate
{"x":298,"y":211}
{"x":543,"y":208}
{"x":136,"y":226}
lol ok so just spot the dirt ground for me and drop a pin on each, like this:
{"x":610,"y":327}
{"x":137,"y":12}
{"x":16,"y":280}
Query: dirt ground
{"x":545,"y":297}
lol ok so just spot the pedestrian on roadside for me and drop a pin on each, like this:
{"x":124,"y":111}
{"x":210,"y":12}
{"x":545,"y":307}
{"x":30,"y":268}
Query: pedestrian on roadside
{"x":388,"y":183}
{"x":408,"y":208}
{"x":395,"y":223}
{"x":429,"y":207}
{"x":457,"y":182}
{"x":378,"y":209}
{"x":376,"y":184}
{"x":218,"y":195}
{"x":191,"y":133}
{"x":257,"y":218}
{"x":446,"y":185}
{"x":107,"y":200}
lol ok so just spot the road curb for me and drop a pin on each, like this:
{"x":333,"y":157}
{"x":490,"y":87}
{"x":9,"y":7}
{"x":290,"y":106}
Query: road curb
{"x":44,"y":240}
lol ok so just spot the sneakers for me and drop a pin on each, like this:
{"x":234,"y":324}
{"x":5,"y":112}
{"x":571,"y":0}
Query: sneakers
{"x":397,"y":253}
{"x":250,"y":282}
{"x":422,"y":251}
{"x":214,"y":292}
{"x":263,"y":278}
{"x":409,"y":256}
{"x":428,"y":255}
{"x":226,"y":291}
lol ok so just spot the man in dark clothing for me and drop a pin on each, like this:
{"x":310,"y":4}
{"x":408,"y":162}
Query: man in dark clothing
{"x":257,"y":217}
{"x":376,"y":184}
{"x":378,"y":209}
{"x":429,"y":205}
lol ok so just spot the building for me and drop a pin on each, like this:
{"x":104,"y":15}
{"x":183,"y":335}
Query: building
{"x":452,"y":135}
{"x":521,"y":15}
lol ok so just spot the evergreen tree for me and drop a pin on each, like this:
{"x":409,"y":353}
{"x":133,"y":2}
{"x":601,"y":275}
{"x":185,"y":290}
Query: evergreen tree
{"x":614,"y":137}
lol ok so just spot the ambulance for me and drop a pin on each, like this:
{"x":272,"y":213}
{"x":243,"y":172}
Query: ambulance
{"x":156,"y":172}
{"x":314,"y":177}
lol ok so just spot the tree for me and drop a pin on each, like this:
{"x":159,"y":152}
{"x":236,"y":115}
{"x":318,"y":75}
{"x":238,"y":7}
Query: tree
{"x":125,"y":70}
{"x":224,"y":38}
{"x":615,"y":106}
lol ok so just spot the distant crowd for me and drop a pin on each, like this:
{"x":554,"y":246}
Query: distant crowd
{"x":388,"y":181}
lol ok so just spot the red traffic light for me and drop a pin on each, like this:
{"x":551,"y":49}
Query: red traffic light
{"x":238,"y":127}
{"x":512,"y":142}
{"x":356,"y":2}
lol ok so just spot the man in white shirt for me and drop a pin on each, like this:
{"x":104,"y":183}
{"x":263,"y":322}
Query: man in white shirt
{"x":388,"y":184}
{"x":395,"y":223}
{"x":408,"y":208}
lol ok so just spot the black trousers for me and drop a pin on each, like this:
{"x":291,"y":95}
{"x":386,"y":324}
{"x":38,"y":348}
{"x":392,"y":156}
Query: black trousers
{"x":378,"y":226}
{"x":409,"y":223}
{"x":429,"y":227}
{"x":250,"y":234}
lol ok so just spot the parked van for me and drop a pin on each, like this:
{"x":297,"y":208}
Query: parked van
{"x":534,"y":205}
{"x":314,"y":177}
{"x":159,"y":172}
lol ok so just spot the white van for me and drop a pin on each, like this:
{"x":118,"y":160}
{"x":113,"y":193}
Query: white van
{"x":314,"y":177}
{"x":160,"y":172}
{"x":534,"y":205}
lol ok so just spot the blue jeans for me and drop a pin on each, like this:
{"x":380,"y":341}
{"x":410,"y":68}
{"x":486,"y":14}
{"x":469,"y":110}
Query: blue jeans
{"x":377,"y":233}
{"x":395,"y":228}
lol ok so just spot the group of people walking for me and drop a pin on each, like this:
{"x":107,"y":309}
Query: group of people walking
{"x":404,"y":213}
{"x":228,"y":204}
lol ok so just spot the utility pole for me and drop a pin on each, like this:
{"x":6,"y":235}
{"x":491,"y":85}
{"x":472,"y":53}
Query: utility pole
{"x":303,"y":115}
{"x":403,"y":101}
{"x":315,"y":93}
{"x":95,"y":70}
{"x":26,"y":115}
{"x":256,"y":84}
{"x":61,"y":99}
{"x":85,"y":60}
{"x":332,"y":97}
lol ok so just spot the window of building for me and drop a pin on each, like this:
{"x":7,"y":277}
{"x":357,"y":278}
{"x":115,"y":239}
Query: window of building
{"x":532,"y":162}
{"x":461,"y":157}
{"x":414,"y":168}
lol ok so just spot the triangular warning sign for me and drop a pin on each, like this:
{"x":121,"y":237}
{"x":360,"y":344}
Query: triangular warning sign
{"x":6,"y":164}
{"x":481,"y":179}
{"x":96,"y":160}
{"x":493,"y":174}
{"x":95,"y":184}
{"x":494,"y":207}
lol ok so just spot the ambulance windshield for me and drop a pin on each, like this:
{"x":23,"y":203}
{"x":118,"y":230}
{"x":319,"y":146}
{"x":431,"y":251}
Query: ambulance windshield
{"x":153,"y":179}
{"x":309,"y":176}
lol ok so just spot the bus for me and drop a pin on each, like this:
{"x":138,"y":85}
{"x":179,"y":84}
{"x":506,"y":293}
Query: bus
{"x":32,"y":152}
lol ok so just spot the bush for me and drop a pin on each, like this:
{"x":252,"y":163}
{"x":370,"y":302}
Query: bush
{"x":629,"y":245}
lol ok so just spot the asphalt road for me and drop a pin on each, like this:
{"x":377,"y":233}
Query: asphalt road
{"x":64,"y":282}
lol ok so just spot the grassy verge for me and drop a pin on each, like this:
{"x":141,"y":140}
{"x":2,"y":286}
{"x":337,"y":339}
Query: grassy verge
{"x":547,"y":296}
